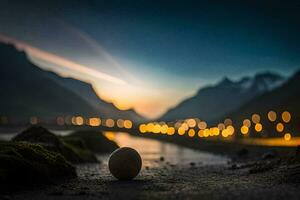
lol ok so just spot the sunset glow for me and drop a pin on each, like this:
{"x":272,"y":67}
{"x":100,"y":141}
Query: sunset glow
{"x":58,"y":60}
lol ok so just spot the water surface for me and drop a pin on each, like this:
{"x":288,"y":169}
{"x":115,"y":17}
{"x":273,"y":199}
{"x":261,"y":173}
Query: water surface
{"x":152,"y":151}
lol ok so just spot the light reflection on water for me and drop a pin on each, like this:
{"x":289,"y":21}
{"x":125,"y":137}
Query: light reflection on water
{"x":151,"y":151}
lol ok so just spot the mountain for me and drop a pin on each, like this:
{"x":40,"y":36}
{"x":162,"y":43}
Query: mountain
{"x":86,"y":92}
{"x":283,"y":98}
{"x":27,"y":90}
{"x":215,"y":101}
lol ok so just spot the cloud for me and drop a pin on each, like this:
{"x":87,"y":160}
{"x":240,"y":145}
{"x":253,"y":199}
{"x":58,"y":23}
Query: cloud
{"x":60,"y":61}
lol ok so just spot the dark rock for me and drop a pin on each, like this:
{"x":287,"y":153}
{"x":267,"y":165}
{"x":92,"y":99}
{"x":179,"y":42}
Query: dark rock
{"x":71,"y":150}
{"x":94,"y":141}
{"x":161,"y":158}
{"x":25,"y":164}
{"x":192,"y":164}
{"x":80,"y":148}
{"x":36,"y":134}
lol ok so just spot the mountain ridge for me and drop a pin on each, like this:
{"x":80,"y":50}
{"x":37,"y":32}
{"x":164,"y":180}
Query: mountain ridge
{"x":214,"y":101}
{"x":282,"y":98}
{"x":28,"y":90}
{"x":87,"y":92}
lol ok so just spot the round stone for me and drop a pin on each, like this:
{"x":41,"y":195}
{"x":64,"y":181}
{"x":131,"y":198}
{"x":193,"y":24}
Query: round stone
{"x":125,"y":163}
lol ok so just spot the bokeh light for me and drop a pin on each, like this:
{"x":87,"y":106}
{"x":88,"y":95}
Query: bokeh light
{"x":150,"y":127}
{"x":164,"y":129}
{"x":244,"y":130}
{"x":215,"y":131}
{"x":127,"y":124}
{"x":201,"y":133}
{"x":79,"y":120}
{"x":120,"y":123}
{"x":190,"y":126}
{"x":94,"y":121}
{"x":286,"y":116}
{"x":280,"y":127}
{"x":191,"y":123}
{"x":202,"y":125}
{"x":181,"y":131}
{"x":185,"y":126}
{"x":247,"y":123}
{"x":171,"y":131}
{"x":191,"y":133}
{"x":225,"y":133}
{"x":255,"y":118}
{"x":206,"y":132}
{"x":227,"y":122}
{"x":143,"y":128}
{"x":272,"y":116}
{"x":110,"y":123}
{"x":221,"y":126}
{"x":230,"y":130}
{"x":258,"y":127}
{"x":287,"y":137}
{"x":156,"y":128}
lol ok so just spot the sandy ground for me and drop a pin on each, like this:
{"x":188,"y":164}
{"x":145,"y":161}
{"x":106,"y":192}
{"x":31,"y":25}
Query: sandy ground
{"x":183,"y":174}
{"x":169,"y":182}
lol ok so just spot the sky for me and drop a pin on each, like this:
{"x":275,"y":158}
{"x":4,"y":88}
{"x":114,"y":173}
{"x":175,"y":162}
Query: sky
{"x":150,"y":55}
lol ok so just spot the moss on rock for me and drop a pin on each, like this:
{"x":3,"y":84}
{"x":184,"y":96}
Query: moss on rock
{"x":40,"y":135}
{"x":80,"y":148}
{"x":25,"y":164}
{"x":94,"y":141}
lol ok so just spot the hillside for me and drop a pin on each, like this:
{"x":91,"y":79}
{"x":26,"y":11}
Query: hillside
{"x":283,"y":98}
{"x":215,"y":101}
{"x":27,"y":90}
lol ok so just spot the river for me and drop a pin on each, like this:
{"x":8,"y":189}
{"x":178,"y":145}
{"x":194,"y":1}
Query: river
{"x":152,"y":151}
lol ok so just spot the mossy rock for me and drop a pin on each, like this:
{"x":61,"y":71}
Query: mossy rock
{"x":37,"y":134}
{"x":26,"y":164}
{"x":80,"y":148}
{"x":94,"y":141}
{"x":42,"y":136}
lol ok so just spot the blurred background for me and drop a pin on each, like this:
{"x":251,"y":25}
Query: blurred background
{"x":194,"y":68}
